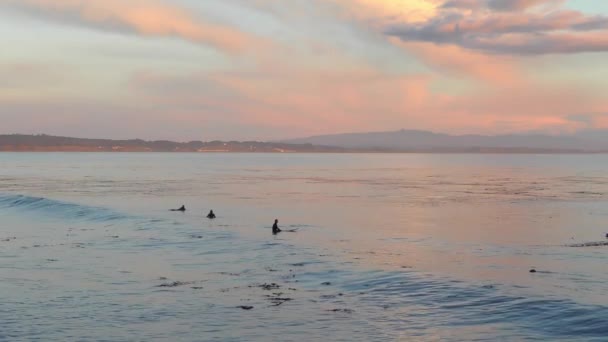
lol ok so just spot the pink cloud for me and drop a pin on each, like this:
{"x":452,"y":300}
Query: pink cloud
{"x":294,"y":100}
{"x":290,"y":102}
{"x":456,"y":61}
{"x":301,"y":102}
{"x":145,"y":17}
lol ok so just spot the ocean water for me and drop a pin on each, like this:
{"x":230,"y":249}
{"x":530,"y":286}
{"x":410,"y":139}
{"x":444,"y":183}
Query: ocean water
{"x":387,"y":247}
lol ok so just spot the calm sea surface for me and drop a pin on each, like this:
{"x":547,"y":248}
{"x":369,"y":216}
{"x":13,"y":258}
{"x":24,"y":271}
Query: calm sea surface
{"x":387,"y":247}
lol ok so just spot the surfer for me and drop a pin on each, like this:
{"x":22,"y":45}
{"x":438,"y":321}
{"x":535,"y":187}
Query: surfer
{"x":182,"y":209}
{"x":275,"y":227}
{"x":211,"y":215}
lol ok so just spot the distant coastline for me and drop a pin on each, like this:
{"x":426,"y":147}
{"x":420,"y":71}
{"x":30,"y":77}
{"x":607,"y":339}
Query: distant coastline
{"x":48,"y":143}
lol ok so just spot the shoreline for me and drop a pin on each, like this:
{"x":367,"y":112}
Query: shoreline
{"x":532,"y":152}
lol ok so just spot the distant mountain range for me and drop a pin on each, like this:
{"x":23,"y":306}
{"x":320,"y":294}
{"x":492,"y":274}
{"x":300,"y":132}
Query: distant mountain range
{"x":397,"y":141}
{"x":423,"y":141}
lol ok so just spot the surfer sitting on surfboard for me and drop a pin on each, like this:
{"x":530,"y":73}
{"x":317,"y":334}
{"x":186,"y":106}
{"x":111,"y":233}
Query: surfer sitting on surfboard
{"x":275,"y":227}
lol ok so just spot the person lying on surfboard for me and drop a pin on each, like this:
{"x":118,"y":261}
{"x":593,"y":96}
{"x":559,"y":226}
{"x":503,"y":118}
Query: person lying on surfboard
{"x":182,"y":208}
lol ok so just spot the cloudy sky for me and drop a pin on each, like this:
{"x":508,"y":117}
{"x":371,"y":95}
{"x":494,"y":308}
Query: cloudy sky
{"x":269,"y":69}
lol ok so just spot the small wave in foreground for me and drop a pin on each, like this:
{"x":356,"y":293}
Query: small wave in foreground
{"x":60,"y":209}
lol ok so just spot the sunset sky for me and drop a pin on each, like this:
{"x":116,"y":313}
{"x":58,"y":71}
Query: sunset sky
{"x":271,"y":69}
